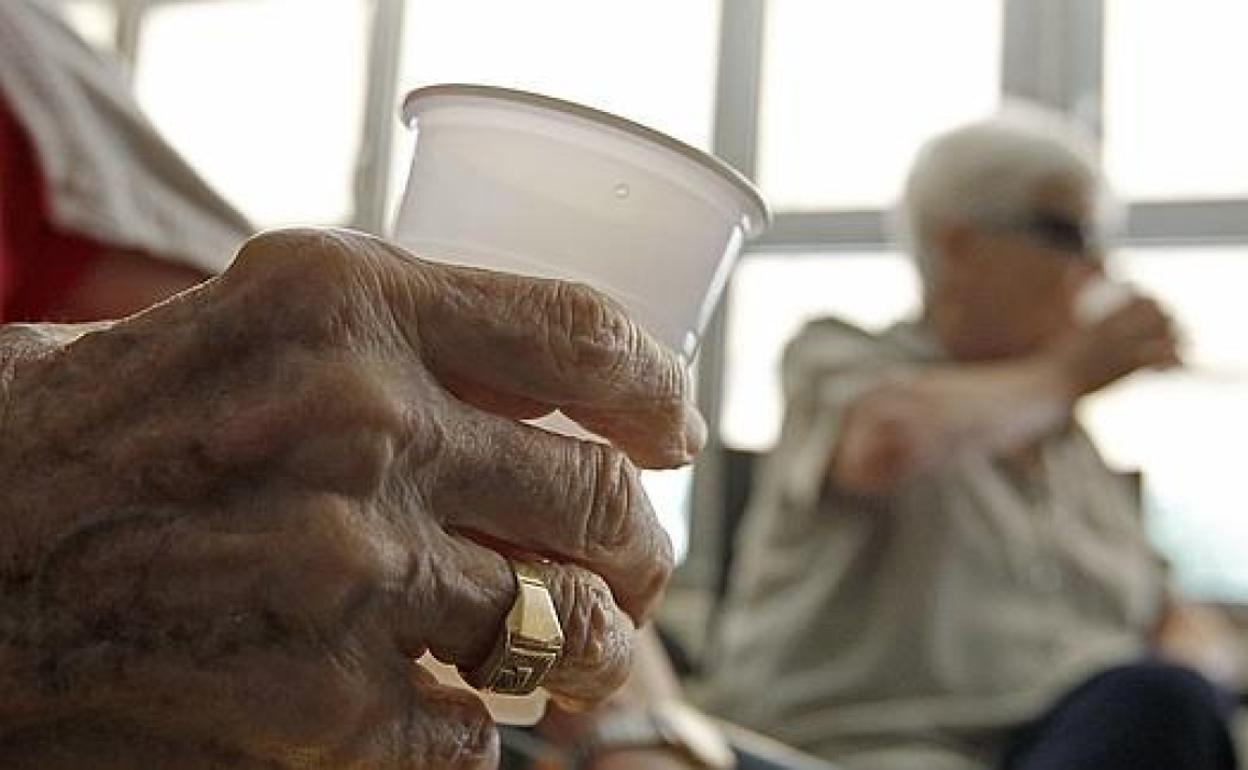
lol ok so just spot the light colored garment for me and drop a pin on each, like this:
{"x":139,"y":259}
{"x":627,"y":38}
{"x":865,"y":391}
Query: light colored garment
{"x":109,"y":175}
{"x":917,"y":630}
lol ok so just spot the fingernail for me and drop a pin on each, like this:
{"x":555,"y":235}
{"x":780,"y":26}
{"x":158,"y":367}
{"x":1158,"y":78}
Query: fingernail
{"x":695,"y":431}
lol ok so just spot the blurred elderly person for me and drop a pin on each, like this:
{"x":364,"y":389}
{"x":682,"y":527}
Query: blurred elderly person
{"x":937,"y":569}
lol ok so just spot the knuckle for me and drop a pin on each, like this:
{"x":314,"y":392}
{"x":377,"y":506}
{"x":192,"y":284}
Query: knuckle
{"x":424,"y":438}
{"x":596,"y":640}
{"x":588,"y":330}
{"x":330,"y":572}
{"x":292,"y":255}
{"x":305,"y":282}
{"x":424,"y":584}
{"x":344,"y":429}
{"x":614,"y":490}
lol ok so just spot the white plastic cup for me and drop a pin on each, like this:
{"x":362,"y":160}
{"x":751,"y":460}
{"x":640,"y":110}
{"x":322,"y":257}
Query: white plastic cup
{"x":1100,"y":298}
{"x":523,"y":183}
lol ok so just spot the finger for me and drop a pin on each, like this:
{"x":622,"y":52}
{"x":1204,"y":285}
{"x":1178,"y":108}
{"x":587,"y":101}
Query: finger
{"x":1141,"y":326}
{"x":1150,"y":314}
{"x":1156,"y":330}
{"x":1161,"y":354}
{"x":598,"y":638}
{"x":566,"y":499}
{"x":1135,"y":314}
{"x":456,"y":608}
{"x":563,"y":344}
{"x":493,"y":401}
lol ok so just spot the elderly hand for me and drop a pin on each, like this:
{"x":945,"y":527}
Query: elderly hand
{"x":228,"y":525}
{"x":1136,"y":336}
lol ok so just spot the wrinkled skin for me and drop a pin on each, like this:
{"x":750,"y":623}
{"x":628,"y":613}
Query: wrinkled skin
{"x":228,"y":525}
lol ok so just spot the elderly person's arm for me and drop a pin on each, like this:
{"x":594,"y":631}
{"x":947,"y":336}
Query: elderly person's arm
{"x":229,"y":524}
{"x":917,"y":422}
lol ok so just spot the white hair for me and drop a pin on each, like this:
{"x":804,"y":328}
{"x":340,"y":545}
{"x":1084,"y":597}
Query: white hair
{"x":988,"y":171}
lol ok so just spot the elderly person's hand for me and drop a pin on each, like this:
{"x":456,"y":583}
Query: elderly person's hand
{"x":228,"y":525}
{"x":1137,"y":335}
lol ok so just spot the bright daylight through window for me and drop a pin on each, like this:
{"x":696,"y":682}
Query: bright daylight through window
{"x":848,"y":93}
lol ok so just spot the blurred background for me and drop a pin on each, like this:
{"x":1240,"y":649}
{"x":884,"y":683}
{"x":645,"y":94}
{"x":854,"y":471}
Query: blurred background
{"x":290,"y":108}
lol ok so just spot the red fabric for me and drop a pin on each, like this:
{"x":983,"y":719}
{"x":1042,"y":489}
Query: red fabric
{"x":38,"y":262}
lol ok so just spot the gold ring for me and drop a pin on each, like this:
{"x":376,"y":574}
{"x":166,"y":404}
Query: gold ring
{"x":530,"y":642}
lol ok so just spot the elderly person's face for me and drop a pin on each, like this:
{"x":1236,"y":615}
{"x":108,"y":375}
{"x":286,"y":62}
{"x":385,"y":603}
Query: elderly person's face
{"x":1016,"y":281}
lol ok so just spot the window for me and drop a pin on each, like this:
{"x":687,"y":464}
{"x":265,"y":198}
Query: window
{"x":1184,"y":429}
{"x":264,"y":97}
{"x":1173,"y":125}
{"x":652,"y":61}
{"x":669,"y":495}
{"x":869,"y":290}
{"x":850,"y":90}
